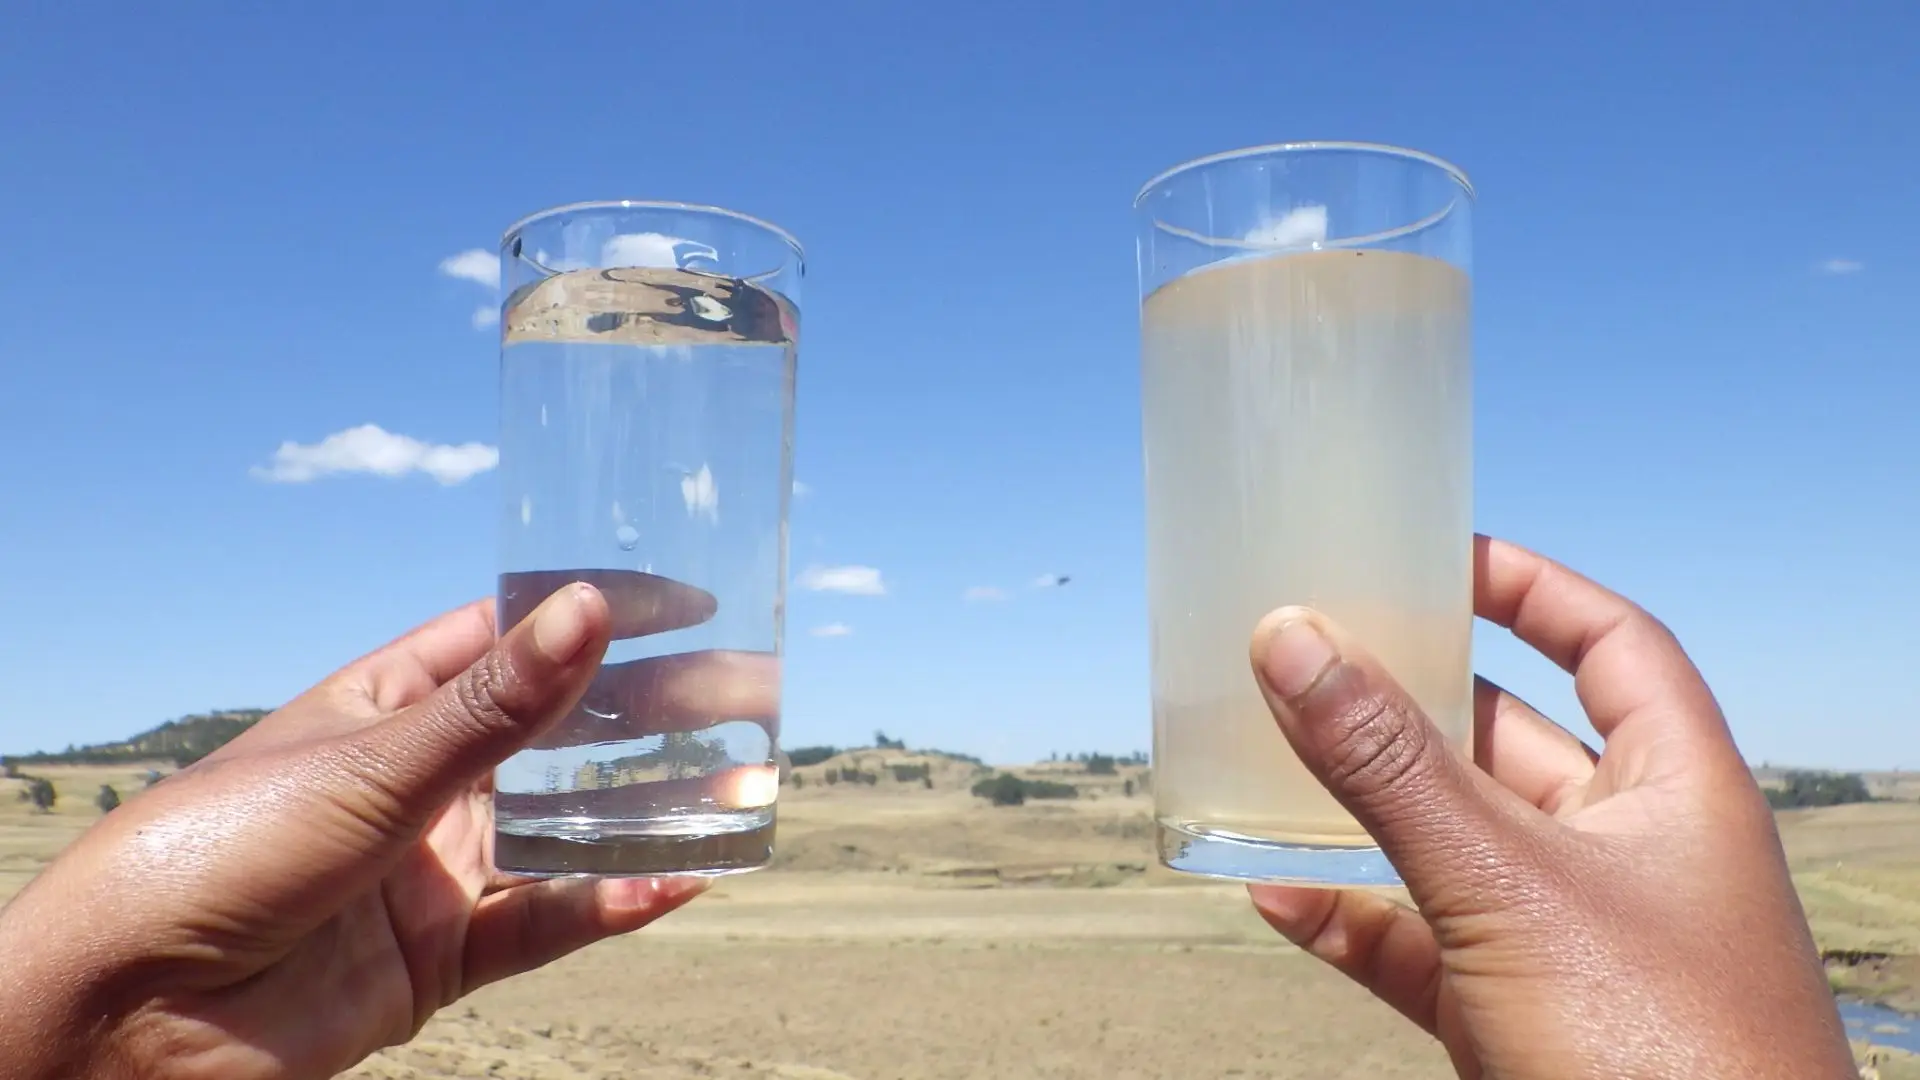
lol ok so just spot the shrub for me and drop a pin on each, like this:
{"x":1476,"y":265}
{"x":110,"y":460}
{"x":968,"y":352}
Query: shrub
{"x":108,"y":800}
{"x":1100,"y":765}
{"x":811,"y":755}
{"x":907,"y":774}
{"x":1051,"y":789}
{"x":1007,"y":789}
{"x":1127,"y":789}
{"x":1804,"y":788}
{"x":41,"y":794}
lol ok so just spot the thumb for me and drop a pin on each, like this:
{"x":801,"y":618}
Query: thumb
{"x":1434,"y":816}
{"x":419,"y":760}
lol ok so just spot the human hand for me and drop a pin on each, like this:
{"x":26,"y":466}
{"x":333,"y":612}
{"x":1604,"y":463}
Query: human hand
{"x":1622,"y":914}
{"x":321,"y":885}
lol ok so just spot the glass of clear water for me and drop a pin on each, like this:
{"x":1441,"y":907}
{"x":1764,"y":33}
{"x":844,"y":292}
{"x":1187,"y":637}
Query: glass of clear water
{"x":647,"y":364}
{"x":1306,"y":370}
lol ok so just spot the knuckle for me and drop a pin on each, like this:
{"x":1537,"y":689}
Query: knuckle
{"x":481,"y":696}
{"x":1374,"y":747}
{"x":1376,"y":962}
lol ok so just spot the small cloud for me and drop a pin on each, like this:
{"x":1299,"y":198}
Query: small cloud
{"x":832,"y":629}
{"x":1836,"y":267}
{"x":1302,"y":226}
{"x":558,"y":263}
{"x":800,"y":490}
{"x":653,"y":249}
{"x":980,"y":594}
{"x":852,"y":580}
{"x":1050,"y":581}
{"x":475,"y":265}
{"x":483,"y":269}
{"x":700,"y":494}
{"x":371,"y":449}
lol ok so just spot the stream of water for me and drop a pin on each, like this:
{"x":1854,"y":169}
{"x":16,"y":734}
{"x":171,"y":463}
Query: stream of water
{"x":1883,"y":1027}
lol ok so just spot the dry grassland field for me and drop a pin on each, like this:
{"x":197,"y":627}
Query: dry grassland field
{"x":910,"y":932}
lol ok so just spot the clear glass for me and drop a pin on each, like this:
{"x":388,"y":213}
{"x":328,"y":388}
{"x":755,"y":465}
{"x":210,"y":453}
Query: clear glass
{"x":1307,"y":421}
{"x":647,"y":355}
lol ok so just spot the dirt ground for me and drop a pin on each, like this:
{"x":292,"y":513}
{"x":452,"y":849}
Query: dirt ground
{"x":911,"y":933}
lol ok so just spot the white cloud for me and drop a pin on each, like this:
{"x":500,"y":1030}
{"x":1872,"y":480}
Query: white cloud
{"x":700,"y":494}
{"x":1841,"y":266}
{"x":853,"y":580}
{"x":800,"y":490}
{"x":475,"y":265}
{"x":832,"y":629}
{"x":371,"y":449}
{"x":1050,"y":581}
{"x":653,"y":249}
{"x":1302,"y":226}
{"x":985,"y":593}
{"x":558,"y":263}
{"x":483,"y":269}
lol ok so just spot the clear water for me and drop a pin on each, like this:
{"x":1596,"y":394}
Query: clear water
{"x":1881,"y":1026}
{"x":645,"y":447}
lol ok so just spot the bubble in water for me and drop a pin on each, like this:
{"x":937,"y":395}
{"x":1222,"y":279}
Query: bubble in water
{"x":628,"y":536}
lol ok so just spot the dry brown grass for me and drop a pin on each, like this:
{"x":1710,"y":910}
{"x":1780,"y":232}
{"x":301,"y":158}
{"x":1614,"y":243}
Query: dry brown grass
{"x":1858,"y":872}
{"x":924,"y":934}
{"x":1888,"y":1064}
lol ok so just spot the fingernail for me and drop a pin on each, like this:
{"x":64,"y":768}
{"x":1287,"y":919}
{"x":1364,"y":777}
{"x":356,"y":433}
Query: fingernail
{"x":1296,"y":656}
{"x":560,"y":625}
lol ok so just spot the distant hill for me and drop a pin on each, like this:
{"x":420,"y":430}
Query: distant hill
{"x":1897,"y":784}
{"x":182,"y":741}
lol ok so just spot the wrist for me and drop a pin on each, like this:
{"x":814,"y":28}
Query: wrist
{"x":54,"y":1019}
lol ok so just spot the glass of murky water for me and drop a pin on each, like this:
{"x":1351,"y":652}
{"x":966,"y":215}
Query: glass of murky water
{"x":647,"y":356}
{"x":1307,"y":407}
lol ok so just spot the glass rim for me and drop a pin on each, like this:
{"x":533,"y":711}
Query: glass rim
{"x":537,"y":216}
{"x":1452,"y":171}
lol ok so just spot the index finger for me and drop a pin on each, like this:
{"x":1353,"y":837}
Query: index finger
{"x":1626,"y":665}
{"x":408,"y":669}
{"x":641,"y":604}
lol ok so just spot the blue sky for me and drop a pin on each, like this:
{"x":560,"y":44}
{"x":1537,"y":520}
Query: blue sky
{"x":1696,"y":259}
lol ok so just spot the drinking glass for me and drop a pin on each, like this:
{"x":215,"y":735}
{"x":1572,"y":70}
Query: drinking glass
{"x":1307,"y":427}
{"x":647,"y":356}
